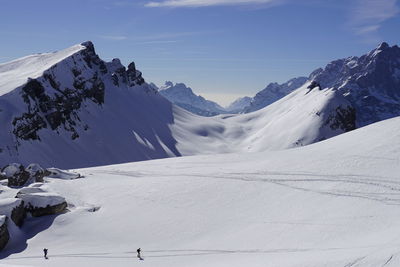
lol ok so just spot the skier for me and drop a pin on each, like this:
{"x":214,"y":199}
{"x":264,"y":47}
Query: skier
{"x":138,"y":253}
{"x":45,"y":253}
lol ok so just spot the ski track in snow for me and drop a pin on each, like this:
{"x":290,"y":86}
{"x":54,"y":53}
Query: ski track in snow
{"x":393,"y":187}
{"x":320,"y":205}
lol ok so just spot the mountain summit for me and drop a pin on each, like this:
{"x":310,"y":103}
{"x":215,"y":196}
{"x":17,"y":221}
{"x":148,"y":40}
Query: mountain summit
{"x":371,"y":83}
{"x":184,"y":97}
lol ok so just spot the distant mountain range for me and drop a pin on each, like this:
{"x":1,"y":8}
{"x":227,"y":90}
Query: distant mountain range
{"x":71,"y":109}
{"x":272,"y":93}
{"x":184,"y":97}
{"x":239,"y":105}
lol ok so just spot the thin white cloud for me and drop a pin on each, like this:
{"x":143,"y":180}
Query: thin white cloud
{"x":367,"y":29}
{"x":367,"y":16}
{"x":160,"y":42}
{"x":114,"y":37}
{"x":204,"y":3}
{"x":168,"y":35}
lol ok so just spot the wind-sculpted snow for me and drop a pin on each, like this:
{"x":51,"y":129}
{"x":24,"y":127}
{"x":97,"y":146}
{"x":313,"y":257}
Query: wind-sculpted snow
{"x":333,"y":203}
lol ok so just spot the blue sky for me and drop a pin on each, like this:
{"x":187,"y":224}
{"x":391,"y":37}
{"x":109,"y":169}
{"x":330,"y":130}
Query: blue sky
{"x":220,"y":48}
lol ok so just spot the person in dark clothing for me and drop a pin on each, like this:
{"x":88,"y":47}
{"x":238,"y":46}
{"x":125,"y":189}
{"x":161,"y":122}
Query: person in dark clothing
{"x":45,"y":253}
{"x":138,"y":253}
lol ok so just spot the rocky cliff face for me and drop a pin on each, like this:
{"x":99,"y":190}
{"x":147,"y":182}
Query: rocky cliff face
{"x":53,"y":104}
{"x":4,"y":234}
{"x":371,"y":83}
{"x":71,"y":103}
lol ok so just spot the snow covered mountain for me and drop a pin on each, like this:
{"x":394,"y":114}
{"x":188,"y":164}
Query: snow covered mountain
{"x":239,"y":105}
{"x":371,"y":83}
{"x":273,"y":92}
{"x":70,"y":109}
{"x":183,"y":96}
{"x":334,"y":203}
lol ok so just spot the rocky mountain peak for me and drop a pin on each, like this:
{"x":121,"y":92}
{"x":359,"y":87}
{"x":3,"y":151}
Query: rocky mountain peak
{"x":89,"y":46}
{"x":371,"y":82}
{"x":183,"y":96}
{"x":383,"y":46}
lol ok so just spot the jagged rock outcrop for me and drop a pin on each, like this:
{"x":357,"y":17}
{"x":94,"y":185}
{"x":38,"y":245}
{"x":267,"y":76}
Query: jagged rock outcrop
{"x":4,"y":234}
{"x":48,"y":210}
{"x":18,"y":213}
{"x":13,"y":208}
{"x":39,"y":202}
{"x":68,"y":108}
{"x":16,"y":174}
{"x":37,"y":173}
{"x":371,"y":83}
{"x":54,"y":103}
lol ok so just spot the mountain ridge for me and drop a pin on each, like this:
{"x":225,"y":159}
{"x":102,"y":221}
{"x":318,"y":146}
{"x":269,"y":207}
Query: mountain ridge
{"x":85,"y":112}
{"x":184,"y":97}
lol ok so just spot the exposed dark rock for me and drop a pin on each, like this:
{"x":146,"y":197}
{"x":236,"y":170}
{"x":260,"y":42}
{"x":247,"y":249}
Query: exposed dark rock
{"x":76,"y":72}
{"x":48,"y":210}
{"x":27,"y":126}
{"x":18,"y":214}
{"x":134,"y":76}
{"x":16,"y":174}
{"x":37,"y":173}
{"x":13,"y":208}
{"x":55,"y":102}
{"x":115,"y":79}
{"x":52,"y":82}
{"x":39,"y":202}
{"x":343,"y":118}
{"x":4,"y":234}
{"x":313,"y":85}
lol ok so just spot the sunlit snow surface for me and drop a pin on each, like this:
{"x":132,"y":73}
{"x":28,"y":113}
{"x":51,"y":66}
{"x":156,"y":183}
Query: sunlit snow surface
{"x":334,"y":203}
{"x":15,"y":73}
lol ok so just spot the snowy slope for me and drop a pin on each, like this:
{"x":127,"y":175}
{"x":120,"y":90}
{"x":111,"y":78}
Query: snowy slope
{"x":14,"y":74}
{"x":334,"y":203}
{"x":298,"y":119}
{"x":71,"y":109}
{"x":274,"y":92}
{"x":81,"y":111}
{"x":183,"y":96}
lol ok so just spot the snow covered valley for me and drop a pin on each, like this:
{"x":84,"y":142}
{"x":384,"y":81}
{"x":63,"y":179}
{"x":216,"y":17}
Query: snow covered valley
{"x":332,"y":203}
